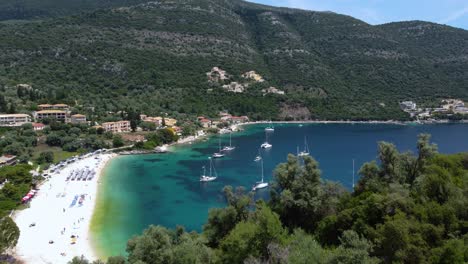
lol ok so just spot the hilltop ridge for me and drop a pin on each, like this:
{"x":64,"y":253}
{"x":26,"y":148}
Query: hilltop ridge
{"x":155,"y":55}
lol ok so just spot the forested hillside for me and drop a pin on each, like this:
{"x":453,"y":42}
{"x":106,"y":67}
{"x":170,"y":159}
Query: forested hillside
{"x":154,"y":56}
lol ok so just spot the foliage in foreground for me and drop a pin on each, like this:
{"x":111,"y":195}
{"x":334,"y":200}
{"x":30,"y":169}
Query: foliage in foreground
{"x":405,"y":209}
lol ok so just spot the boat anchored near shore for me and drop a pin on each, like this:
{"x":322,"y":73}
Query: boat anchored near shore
{"x":230,"y":147}
{"x":218,"y":154}
{"x":261,"y":184}
{"x":306,"y":151}
{"x":210,"y":177}
{"x":266,"y":145}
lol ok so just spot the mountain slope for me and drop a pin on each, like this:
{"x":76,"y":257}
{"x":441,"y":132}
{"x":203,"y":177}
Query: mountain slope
{"x":155,"y":56}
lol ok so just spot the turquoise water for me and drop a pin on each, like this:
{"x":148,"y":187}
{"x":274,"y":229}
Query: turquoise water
{"x":164,"y":189}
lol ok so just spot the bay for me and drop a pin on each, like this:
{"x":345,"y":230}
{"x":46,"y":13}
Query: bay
{"x":164,"y":189}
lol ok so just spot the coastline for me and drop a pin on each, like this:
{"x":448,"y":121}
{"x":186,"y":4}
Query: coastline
{"x":57,"y":216}
{"x":390,"y":122}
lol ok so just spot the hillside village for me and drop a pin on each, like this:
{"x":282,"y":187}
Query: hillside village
{"x":61,"y":131}
{"x":220,"y":77}
{"x":450,"y":109}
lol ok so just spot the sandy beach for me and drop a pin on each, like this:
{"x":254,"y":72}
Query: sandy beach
{"x":58,"y":214}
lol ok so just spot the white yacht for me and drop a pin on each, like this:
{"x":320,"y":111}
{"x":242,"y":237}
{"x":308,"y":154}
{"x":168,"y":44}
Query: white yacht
{"x":230,"y":147}
{"x":270,"y":128}
{"x":266,"y":145}
{"x":211,"y":176}
{"x":305,"y":152}
{"x":261,"y":184}
{"x":218,"y":154}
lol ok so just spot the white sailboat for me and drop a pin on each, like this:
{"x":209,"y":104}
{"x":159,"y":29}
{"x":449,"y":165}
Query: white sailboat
{"x":209,"y":177}
{"x":230,"y":147}
{"x":266,"y":145}
{"x":261,"y":184}
{"x":305,"y":152}
{"x":258,"y":157}
{"x":270,"y":128}
{"x":218,"y":154}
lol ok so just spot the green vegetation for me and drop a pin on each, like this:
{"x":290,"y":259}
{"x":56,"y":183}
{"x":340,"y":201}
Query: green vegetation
{"x":18,"y":185}
{"x":9,"y":234}
{"x":407,"y":208}
{"x":330,"y":66}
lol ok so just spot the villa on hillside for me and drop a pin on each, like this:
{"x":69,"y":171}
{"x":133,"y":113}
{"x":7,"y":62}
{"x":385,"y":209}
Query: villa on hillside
{"x":78,"y":119}
{"x":158,"y":120}
{"x":14,"y":120}
{"x":53,"y":114}
{"x":63,"y":107}
{"x":38,"y":126}
{"x":117,"y":127}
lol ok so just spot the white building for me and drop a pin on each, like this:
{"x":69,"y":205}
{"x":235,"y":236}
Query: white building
{"x":14,"y":120}
{"x":117,"y":127}
{"x":408,"y":106}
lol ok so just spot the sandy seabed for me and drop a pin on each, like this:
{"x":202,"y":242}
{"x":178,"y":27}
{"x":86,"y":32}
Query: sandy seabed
{"x":57,"y":218}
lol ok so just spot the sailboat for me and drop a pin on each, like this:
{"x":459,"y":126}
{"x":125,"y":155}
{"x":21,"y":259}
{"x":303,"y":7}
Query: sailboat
{"x":261,"y":184}
{"x":209,"y":177}
{"x":258,"y":157}
{"x":266,"y":145}
{"x":218,"y":154}
{"x":353,"y":173}
{"x":270,"y":128}
{"x":230,"y":147}
{"x":305,"y":152}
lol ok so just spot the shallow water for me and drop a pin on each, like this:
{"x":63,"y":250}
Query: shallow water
{"x":164,"y":189}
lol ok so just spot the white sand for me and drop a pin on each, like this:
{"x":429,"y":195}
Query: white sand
{"x":46,"y":211}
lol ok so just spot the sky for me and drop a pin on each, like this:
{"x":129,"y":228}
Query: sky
{"x":449,"y":12}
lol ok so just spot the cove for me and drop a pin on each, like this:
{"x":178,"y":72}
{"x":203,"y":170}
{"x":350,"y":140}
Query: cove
{"x":164,"y":189}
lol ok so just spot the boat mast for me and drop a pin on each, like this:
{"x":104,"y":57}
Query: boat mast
{"x":353,"y":173}
{"x":211,"y":165}
{"x":262,"y":170}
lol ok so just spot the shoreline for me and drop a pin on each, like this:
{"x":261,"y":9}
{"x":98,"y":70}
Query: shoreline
{"x":390,"y":122}
{"x":58,"y":215}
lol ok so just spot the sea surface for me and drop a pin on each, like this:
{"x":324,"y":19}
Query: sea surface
{"x":164,"y":189}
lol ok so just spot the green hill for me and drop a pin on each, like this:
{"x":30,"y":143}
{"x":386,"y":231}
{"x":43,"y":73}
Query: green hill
{"x":155,"y":56}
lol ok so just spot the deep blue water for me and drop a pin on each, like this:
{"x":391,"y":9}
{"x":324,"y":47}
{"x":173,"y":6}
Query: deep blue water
{"x":164,"y":189}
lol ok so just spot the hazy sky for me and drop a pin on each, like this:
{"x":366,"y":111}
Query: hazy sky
{"x":450,"y":12}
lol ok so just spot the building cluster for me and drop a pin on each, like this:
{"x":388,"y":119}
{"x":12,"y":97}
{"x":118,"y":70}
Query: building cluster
{"x":159,"y":121}
{"x":447,"y":107}
{"x":60,"y":112}
{"x":224,"y":118}
{"x":115,"y":127}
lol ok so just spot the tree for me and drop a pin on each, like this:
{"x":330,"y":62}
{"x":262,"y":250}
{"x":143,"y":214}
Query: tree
{"x":222,"y":220}
{"x":116,"y":260}
{"x":153,"y":246}
{"x":304,"y":249}
{"x":297,"y":193}
{"x":353,"y":250}
{"x":117,"y":141}
{"x":9,"y":234}
{"x":54,"y":139}
{"x":45,"y":157}
{"x":148,"y":126}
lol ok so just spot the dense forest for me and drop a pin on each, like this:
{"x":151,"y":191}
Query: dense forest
{"x":154,"y":56}
{"x":406,"y":208}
